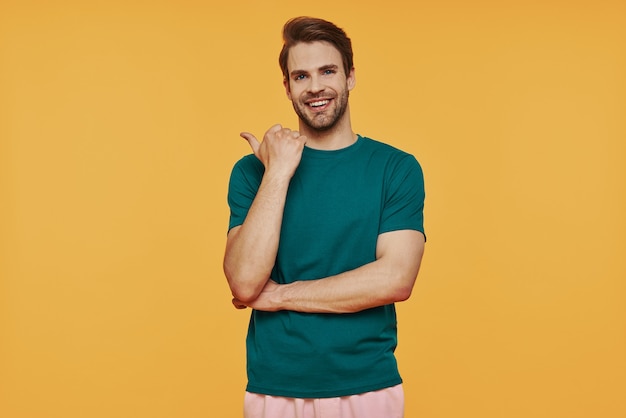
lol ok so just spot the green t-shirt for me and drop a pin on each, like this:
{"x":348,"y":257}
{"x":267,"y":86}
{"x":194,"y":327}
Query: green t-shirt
{"x":337,"y":204}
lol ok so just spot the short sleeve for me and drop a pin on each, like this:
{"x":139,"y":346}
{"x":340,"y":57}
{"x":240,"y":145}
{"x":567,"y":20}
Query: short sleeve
{"x":244,"y":183}
{"x":403,"y":206}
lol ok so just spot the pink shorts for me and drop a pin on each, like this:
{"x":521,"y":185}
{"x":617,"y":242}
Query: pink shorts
{"x":387,"y":403}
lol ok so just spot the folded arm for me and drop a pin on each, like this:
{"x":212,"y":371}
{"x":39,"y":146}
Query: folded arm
{"x":388,"y":279}
{"x":251,"y":247}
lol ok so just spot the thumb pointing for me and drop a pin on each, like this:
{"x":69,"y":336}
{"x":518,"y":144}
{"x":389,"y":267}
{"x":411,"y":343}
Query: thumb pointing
{"x":254,"y":143}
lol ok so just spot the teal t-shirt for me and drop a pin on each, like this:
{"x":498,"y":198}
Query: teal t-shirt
{"x":337,"y":204}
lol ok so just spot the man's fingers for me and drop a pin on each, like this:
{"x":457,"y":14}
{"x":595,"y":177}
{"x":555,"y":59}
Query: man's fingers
{"x":275,"y":128}
{"x":239,"y":305}
{"x":254,"y":143}
{"x":273,"y":143}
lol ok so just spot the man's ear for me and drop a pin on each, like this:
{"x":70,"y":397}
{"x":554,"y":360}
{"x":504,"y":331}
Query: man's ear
{"x":287,"y":89}
{"x":351,"y":79}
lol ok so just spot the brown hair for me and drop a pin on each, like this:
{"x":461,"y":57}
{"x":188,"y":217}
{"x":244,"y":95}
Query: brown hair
{"x":311,"y":29}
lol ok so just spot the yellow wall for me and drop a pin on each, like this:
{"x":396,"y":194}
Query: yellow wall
{"x":119,"y":123}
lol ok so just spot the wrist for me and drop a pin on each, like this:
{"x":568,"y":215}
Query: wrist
{"x":277,"y":177}
{"x":283,"y":297}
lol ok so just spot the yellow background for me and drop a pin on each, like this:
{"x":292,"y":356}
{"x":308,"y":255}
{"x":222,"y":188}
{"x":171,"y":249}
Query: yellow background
{"x":119,"y":124}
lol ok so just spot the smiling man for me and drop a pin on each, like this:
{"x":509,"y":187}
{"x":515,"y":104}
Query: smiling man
{"x":325,"y":235}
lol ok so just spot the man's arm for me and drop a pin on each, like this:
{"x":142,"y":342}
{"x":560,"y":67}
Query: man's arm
{"x":251,"y":247}
{"x":388,"y":279}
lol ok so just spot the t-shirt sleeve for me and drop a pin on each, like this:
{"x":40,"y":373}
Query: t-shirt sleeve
{"x":403,"y":206}
{"x":244,"y":183}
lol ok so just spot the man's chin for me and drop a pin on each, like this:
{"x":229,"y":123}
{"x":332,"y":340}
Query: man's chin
{"x":321,"y":126}
{"x":318,"y":122}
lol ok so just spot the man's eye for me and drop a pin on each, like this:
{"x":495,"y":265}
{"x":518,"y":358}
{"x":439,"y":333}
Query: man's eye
{"x":328,"y":72}
{"x":300,"y":77}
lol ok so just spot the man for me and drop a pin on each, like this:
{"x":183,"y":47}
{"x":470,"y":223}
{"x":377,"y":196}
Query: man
{"x":326,"y":233}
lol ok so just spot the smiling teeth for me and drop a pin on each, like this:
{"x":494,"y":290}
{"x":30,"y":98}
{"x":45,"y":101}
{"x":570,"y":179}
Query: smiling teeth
{"x":318,"y":104}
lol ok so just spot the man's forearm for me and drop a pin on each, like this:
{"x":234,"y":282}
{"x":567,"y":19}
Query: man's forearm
{"x":387,"y":280}
{"x":367,"y":287}
{"x":251,"y":248}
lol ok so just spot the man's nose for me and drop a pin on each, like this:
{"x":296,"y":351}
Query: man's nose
{"x":316,"y":86}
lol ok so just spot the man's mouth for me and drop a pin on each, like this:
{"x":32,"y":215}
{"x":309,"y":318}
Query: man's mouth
{"x":318,"y":103}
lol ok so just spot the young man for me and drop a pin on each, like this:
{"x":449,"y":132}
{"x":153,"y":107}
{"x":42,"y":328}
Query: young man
{"x":326,"y":233}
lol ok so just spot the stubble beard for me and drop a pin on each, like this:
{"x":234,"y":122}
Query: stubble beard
{"x":322,"y":122}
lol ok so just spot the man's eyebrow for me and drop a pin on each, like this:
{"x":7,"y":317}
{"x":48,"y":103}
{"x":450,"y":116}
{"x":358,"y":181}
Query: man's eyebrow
{"x":322,"y":68}
{"x":298,"y":72}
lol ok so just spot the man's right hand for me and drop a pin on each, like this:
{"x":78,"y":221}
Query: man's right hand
{"x":281,"y":150}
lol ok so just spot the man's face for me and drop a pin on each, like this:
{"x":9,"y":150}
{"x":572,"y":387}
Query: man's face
{"x":317,"y":84}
